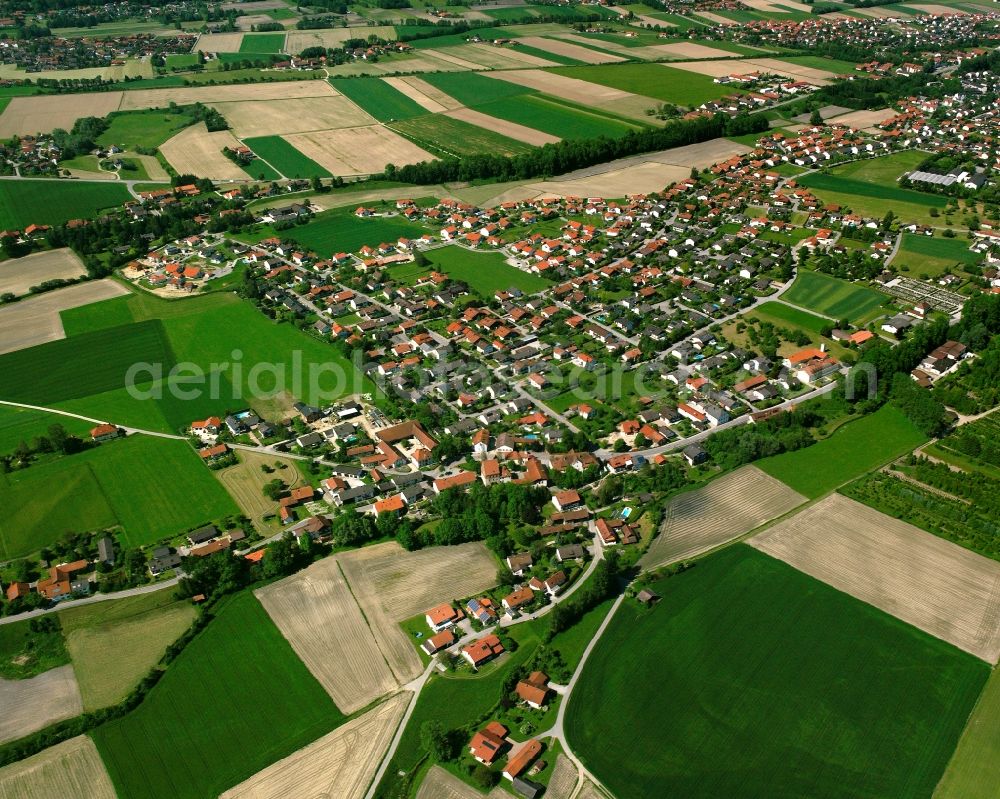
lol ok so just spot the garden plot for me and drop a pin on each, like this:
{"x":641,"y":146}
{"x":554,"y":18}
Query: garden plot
{"x":341,"y":764}
{"x":703,"y":519}
{"x":36,"y":320}
{"x":357,"y":151}
{"x":18,"y":275}
{"x":70,"y":769}
{"x":29,"y":705}
{"x":391,"y":585}
{"x":196,"y":151}
{"x":45,"y":113}
{"x":274,"y":117}
{"x":937,"y":586}
{"x":319,"y":616}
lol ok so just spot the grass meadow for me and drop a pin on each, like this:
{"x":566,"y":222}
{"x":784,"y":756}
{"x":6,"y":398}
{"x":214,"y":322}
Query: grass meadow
{"x":132,"y":129}
{"x":262,"y":43}
{"x":236,"y":700}
{"x":852,"y":450}
{"x":23,"y":424}
{"x":974,"y":770}
{"x":779,"y":313}
{"x":44,"y":202}
{"x":484,"y":272}
{"x":153,"y":488}
{"x":933,"y":257}
{"x":768,"y":683}
{"x":555,"y":118}
{"x":384,"y":102}
{"x":285,"y":158}
{"x":833,"y":297}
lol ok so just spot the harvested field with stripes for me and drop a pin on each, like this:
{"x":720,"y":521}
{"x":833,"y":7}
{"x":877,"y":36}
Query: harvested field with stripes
{"x":391,"y":585}
{"x":246,"y":480}
{"x":251,"y":118}
{"x":341,"y":764}
{"x":936,"y":586}
{"x":725,"y":509}
{"x":319,"y":616}
{"x":297,"y":41}
{"x":357,"y":151}
{"x":196,"y":151}
{"x":424,"y":93}
{"x":70,"y":769}
{"x":570,"y":50}
{"x":219,"y":42}
{"x":17,"y":275}
{"x":523,"y":133}
{"x":441,"y":784}
{"x":580,"y":91}
{"x":31,"y":704}
{"x":563,"y":780}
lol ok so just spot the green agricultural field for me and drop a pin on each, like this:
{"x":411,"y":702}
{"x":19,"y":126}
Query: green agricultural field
{"x":236,"y":700}
{"x":974,"y":770}
{"x":540,"y":53}
{"x":437,"y":132}
{"x":661,"y":82}
{"x":820,"y":62}
{"x":262,"y":43}
{"x":484,"y":272}
{"x":833,"y":297}
{"x":852,"y":450}
{"x":44,"y":202}
{"x":886,"y":170}
{"x":384,"y":102}
{"x":778,"y":313}
{"x":473,"y":89}
{"x":857,"y":187}
{"x":182,"y":60}
{"x":556,"y":118}
{"x":933,"y":257}
{"x":153,"y":487}
{"x":285,"y":158}
{"x":82,"y":365}
{"x":768,"y":683}
{"x":22,"y":424}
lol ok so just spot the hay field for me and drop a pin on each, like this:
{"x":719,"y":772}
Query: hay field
{"x":513,"y":54}
{"x":734,"y":504}
{"x":420,"y":91}
{"x":195,"y":151}
{"x":283,"y":90}
{"x":318,"y":615}
{"x":570,"y":50}
{"x":111,"y":659}
{"x":36,"y":320}
{"x":441,"y":784}
{"x":519,"y":132}
{"x":20,"y":274}
{"x":249,"y":118}
{"x":246,"y":480}
{"x":357,"y":151}
{"x":298,"y":41}
{"x":391,"y":585}
{"x":580,"y":91}
{"x":219,"y":42}
{"x":341,"y":764}
{"x":29,"y":705}
{"x":70,"y":769}
{"x":413,"y":93}
{"x":43,"y":114}
{"x":936,"y":586}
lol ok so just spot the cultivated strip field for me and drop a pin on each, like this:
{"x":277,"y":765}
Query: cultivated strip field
{"x":513,"y":54}
{"x":563,"y":780}
{"x":700,"y":520}
{"x":419,"y":97}
{"x":570,"y":50}
{"x":934,"y":585}
{"x":341,"y":764}
{"x":440,"y":784}
{"x":250,"y":118}
{"x":285,"y":90}
{"x":357,"y":151}
{"x":31,"y":704}
{"x":717,"y":69}
{"x":419,"y":88}
{"x":20,"y":274}
{"x":580,"y":91}
{"x":70,"y":769}
{"x":391,"y":585}
{"x":519,"y":132}
{"x":319,"y":616}
{"x":683,"y":50}
{"x":195,"y":151}
{"x":246,"y":480}
{"x":36,"y":320}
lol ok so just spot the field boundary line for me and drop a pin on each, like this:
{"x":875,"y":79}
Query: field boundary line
{"x":378,"y":645}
